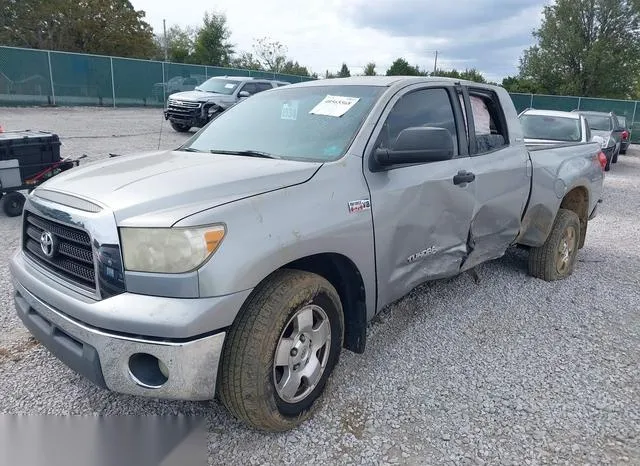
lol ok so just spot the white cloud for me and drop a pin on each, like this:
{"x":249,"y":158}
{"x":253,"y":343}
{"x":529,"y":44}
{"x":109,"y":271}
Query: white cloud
{"x":322,"y":34}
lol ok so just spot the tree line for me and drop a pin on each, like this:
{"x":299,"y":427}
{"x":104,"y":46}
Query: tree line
{"x":582,"y":47}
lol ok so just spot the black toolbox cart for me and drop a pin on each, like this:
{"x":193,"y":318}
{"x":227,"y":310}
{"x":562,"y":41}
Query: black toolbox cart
{"x":27,"y":159}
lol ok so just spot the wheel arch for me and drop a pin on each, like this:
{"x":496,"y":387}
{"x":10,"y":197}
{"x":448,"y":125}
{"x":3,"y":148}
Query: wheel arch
{"x":345,"y":277}
{"x":577,"y":201}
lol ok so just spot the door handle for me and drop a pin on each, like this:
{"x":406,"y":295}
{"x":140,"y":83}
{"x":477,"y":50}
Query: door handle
{"x":463,"y":177}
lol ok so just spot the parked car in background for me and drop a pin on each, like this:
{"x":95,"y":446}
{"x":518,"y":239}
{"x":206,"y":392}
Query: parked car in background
{"x":626,"y":134}
{"x":605,"y":125}
{"x":242,"y":264}
{"x":196,"y":108}
{"x":551,"y":127}
{"x":177,"y":84}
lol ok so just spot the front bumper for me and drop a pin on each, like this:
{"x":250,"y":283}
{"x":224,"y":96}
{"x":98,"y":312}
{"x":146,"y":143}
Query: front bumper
{"x":124,"y":363}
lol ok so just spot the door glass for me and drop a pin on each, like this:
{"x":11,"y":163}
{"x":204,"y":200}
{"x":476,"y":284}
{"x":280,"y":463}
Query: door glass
{"x":427,"y":107}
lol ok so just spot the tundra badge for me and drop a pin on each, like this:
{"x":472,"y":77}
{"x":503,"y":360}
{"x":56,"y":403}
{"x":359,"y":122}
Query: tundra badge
{"x":424,"y":253}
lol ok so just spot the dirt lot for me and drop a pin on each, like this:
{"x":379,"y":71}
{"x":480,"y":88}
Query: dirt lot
{"x":511,"y":370}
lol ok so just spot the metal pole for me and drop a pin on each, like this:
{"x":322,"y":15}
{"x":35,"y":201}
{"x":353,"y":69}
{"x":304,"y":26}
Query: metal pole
{"x":113,"y":83}
{"x":435,"y":63}
{"x":633,"y":118}
{"x":531,"y":103}
{"x":164,"y":26}
{"x":53,"y":91}
{"x":164,"y":86}
{"x":579,"y":102}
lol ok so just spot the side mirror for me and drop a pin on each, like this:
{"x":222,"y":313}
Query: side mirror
{"x":244,"y":94}
{"x":419,"y":144}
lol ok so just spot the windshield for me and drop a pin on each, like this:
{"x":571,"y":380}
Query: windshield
{"x":291,"y":122}
{"x":551,"y":127}
{"x":219,"y":86}
{"x":599,"y":123}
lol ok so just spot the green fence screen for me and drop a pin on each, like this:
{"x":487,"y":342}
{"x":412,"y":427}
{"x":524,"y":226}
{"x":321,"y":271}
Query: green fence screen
{"x":41,"y":77}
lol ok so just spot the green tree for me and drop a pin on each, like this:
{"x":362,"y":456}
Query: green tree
{"x":180,"y":44}
{"x":291,"y":67}
{"x":468,"y":74}
{"x":344,"y":71}
{"x":523,"y":86}
{"x":401,"y":67}
{"x":108,"y":27}
{"x":370,"y":69}
{"x":247,"y":61}
{"x":212,"y":46}
{"x":586,"y":47}
{"x":271,"y":54}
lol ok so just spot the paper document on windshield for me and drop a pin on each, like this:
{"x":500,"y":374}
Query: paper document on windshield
{"x":334,"y":105}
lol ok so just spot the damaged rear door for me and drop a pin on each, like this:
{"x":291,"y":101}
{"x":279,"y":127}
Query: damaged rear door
{"x":422,"y":211}
{"x":502,"y":172}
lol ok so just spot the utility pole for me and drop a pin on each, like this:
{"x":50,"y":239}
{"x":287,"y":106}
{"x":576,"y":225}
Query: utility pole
{"x":166,"y":53}
{"x":435,"y":63}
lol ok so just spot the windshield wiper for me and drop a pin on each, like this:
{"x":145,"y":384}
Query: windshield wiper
{"x":190,"y":149}
{"x":248,"y":153}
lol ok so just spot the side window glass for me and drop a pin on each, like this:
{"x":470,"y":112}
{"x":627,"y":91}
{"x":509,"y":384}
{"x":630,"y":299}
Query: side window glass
{"x":250,"y":88}
{"x":490,"y":129}
{"x":263,"y":87}
{"x":427,"y":107}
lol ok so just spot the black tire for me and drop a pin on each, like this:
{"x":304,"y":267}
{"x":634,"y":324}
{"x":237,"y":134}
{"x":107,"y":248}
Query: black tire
{"x":614,"y":159}
{"x":180,"y":128}
{"x":247,"y":374}
{"x":607,"y":167}
{"x":13,"y":204}
{"x":544,"y":260}
{"x":623,"y":151}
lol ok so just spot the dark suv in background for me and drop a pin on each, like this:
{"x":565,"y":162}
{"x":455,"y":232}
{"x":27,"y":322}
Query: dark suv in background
{"x":196,"y":108}
{"x":626,"y":134}
{"x":606,"y":126}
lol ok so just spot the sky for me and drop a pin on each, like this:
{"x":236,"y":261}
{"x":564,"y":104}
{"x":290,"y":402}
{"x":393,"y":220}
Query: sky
{"x":488,"y":35}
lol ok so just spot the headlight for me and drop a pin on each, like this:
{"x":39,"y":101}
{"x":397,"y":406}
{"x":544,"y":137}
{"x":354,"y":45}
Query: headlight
{"x":169,"y":250}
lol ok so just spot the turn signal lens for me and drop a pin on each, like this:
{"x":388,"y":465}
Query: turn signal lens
{"x":213,"y":238}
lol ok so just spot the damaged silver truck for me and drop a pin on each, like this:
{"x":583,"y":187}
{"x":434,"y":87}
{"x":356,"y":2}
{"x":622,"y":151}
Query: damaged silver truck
{"x":241,"y":264}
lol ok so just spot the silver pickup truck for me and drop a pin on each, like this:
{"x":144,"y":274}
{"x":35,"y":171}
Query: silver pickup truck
{"x":239,"y":265}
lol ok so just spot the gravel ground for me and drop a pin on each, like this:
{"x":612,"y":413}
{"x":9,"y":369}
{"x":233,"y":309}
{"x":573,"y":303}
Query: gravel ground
{"x":512,"y":370}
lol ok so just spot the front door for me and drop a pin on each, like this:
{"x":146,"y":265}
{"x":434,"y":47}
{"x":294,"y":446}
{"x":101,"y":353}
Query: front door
{"x":421,"y":217}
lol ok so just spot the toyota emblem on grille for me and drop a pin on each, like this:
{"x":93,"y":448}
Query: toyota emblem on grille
{"x":47,"y":244}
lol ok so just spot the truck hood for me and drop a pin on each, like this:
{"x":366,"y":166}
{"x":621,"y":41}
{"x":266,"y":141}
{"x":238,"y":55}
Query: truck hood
{"x":160,"y":188}
{"x":201,"y":96}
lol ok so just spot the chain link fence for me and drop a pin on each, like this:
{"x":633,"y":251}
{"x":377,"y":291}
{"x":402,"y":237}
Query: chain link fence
{"x":41,"y":77}
{"x":626,"y":108}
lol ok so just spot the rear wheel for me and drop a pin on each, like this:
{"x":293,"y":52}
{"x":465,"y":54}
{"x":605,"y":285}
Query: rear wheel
{"x":281,"y":351}
{"x":13,"y":204}
{"x":179,"y":127}
{"x":614,"y":159}
{"x":556,"y":258}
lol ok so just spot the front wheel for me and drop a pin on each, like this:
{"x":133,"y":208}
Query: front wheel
{"x":281,"y":351}
{"x":13,"y":204}
{"x":179,"y":127}
{"x":556,"y":258}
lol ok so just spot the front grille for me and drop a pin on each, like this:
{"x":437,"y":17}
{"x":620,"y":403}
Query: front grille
{"x":182,"y":107}
{"x":73,"y":256}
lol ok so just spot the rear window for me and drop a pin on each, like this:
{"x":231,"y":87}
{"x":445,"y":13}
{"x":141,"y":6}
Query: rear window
{"x":551,"y":127}
{"x":599,"y":123}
